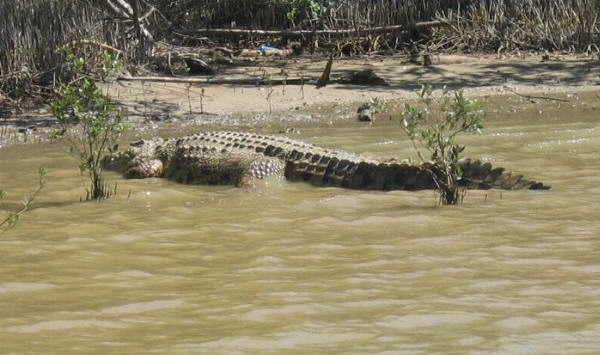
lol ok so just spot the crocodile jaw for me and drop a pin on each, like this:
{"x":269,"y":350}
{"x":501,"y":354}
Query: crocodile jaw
{"x":146,"y":169}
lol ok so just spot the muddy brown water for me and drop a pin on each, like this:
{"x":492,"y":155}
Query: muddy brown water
{"x":289,"y":268}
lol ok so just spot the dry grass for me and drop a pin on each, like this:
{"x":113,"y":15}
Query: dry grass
{"x":476,"y":25}
{"x":32,"y":30}
{"x":528,"y":24}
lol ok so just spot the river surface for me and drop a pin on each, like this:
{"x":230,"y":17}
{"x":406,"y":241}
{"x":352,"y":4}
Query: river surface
{"x":164,"y":268}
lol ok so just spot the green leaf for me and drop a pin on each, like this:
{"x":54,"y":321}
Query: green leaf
{"x":436,"y":126}
{"x":82,"y":103}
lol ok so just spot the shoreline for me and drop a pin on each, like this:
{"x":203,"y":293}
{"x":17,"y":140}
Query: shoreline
{"x":152,"y":106}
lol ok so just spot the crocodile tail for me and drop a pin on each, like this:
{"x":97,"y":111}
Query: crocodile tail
{"x":321,"y":170}
{"x":479,"y":175}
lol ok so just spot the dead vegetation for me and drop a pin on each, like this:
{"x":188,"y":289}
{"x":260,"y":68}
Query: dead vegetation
{"x":223,"y":33}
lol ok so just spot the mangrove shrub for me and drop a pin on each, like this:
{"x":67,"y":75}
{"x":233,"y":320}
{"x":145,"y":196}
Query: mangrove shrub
{"x":91,"y":122}
{"x":434,"y":127}
{"x":13,"y":217}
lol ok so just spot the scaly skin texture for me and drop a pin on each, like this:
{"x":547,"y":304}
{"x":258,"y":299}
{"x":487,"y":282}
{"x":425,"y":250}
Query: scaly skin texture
{"x":235,"y":158}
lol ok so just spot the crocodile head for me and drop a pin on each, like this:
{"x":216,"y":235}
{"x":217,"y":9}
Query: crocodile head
{"x":193,"y":162}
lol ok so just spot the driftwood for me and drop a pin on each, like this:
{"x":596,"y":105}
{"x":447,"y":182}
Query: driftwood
{"x":164,"y":49}
{"x":76,"y":43}
{"x":324,"y":79}
{"x":222,"y":81}
{"x":304,"y":33}
{"x":198,"y":66}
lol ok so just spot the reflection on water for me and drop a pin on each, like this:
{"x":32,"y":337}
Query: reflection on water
{"x":167,"y":268}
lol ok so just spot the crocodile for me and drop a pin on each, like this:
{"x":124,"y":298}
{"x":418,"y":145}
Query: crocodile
{"x":236,"y":158}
